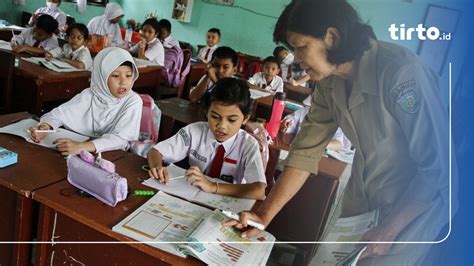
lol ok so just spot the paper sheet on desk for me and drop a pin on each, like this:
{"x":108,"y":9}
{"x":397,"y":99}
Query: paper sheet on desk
{"x":181,"y":188}
{"x":144,"y":63}
{"x":55,"y":64}
{"x":20,"y":129}
{"x":5,"y":45}
{"x":255,"y":94}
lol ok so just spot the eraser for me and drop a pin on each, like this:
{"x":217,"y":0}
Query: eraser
{"x":7,"y":157}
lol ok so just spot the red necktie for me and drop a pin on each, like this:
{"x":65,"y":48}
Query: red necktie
{"x":288,"y":75}
{"x":36,"y":44}
{"x":217,"y":162}
{"x":207,"y":54}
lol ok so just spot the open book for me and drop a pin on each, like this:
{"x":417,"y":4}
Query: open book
{"x":349,"y":229}
{"x":5,"y":45}
{"x":144,"y":63}
{"x":255,"y":94}
{"x":181,"y":188}
{"x":20,"y":128}
{"x":55,"y":64}
{"x":183,"y":228}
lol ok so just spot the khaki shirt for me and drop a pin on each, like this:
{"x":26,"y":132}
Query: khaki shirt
{"x":394,"y":116}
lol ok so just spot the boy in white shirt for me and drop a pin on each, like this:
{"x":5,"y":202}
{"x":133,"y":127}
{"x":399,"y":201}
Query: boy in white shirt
{"x":38,"y":39}
{"x":213,"y":37}
{"x":223,"y":65}
{"x":74,"y":52}
{"x":268,"y":80}
{"x":217,"y":148}
{"x":149,"y":47}
{"x":52,"y":9}
{"x":165,"y":35}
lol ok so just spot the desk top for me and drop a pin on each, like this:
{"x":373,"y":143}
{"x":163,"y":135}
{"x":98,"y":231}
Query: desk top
{"x":64,"y":198}
{"x":181,"y":110}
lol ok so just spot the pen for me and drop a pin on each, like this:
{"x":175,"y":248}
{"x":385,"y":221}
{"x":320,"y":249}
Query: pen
{"x":176,"y":177}
{"x":235,"y":216}
{"x":43,"y":131}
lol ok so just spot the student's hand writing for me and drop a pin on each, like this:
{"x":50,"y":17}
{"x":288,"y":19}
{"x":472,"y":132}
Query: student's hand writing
{"x":378,"y":234}
{"x":159,"y":172}
{"x":198,"y":179}
{"x":242,"y":224}
{"x":68,"y":146}
{"x":48,"y":56}
{"x":36,"y":136}
{"x":19,"y":48}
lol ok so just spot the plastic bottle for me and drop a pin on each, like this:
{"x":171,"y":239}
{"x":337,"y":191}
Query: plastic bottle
{"x":278,"y":106}
{"x":128,"y":35}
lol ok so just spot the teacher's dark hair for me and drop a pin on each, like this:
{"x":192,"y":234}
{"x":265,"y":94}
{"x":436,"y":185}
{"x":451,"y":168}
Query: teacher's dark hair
{"x":314,"y":17}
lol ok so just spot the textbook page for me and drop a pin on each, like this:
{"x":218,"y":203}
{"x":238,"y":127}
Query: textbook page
{"x":163,"y":218}
{"x":20,"y":128}
{"x":241,"y":251}
{"x":345,"y":229}
{"x":5,"y":45}
{"x":181,"y":188}
{"x":55,"y":64}
{"x":255,"y":94}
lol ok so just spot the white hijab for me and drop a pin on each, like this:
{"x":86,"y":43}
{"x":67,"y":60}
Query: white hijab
{"x":101,"y":25}
{"x":95,"y":111}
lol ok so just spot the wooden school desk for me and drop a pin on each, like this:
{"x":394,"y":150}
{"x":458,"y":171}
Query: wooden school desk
{"x":37,"y":167}
{"x":35,"y":85}
{"x":197,"y":71}
{"x":68,"y":216}
{"x":6,"y":34}
{"x":263,"y":107}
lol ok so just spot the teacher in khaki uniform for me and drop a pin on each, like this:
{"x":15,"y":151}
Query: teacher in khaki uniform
{"x":388,"y":104}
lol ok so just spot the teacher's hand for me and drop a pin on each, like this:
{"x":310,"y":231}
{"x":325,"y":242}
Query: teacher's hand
{"x":378,"y":234}
{"x":242,"y":224}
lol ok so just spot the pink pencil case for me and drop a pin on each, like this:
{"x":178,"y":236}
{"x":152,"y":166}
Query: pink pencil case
{"x":110,"y":188}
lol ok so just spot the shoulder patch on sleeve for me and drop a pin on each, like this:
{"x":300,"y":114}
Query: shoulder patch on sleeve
{"x":185,"y":137}
{"x":406,"y":97}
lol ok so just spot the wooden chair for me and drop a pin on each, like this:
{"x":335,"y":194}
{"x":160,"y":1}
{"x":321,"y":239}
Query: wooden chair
{"x":6,"y":75}
{"x":248,"y":64}
{"x":303,"y":218}
{"x":166,"y":92}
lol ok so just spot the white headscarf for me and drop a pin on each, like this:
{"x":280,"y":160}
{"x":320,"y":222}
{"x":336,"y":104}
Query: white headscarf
{"x":113,"y":10}
{"x":101,"y":25}
{"x":95,"y":112}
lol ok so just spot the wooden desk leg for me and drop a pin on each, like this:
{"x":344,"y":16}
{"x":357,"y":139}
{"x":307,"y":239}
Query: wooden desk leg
{"x":44,"y":232}
{"x":23,"y":226}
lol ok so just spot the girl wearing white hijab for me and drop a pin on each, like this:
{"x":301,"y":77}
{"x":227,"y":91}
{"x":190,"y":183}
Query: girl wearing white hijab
{"x":109,"y":111}
{"x":107,"y":24}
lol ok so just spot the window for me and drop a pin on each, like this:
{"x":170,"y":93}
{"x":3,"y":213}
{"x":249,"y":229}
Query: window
{"x":91,"y":2}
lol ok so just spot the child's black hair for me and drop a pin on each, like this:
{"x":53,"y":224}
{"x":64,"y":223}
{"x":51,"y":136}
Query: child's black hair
{"x":46,"y":23}
{"x":271,"y":59}
{"x":165,"y":24}
{"x":215,"y":30}
{"x":154,"y":24}
{"x":127,"y":63}
{"x":225,"y":52}
{"x":277,"y":51}
{"x":80,"y":27}
{"x":230,"y":91}
{"x":70,"y":20}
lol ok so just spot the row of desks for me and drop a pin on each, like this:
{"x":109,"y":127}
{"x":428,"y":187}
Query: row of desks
{"x":37,"y":184}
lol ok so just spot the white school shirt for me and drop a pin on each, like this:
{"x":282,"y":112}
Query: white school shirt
{"x":95,"y":112}
{"x":81,"y":54}
{"x":170,"y":42}
{"x":101,"y":25}
{"x":154,"y":53}
{"x":203,"y":51}
{"x":57,"y":14}
{"x":242,"y":160}
{"x":297,"y":118}
{"x":26,"y":38}
{"x":258,"y":79}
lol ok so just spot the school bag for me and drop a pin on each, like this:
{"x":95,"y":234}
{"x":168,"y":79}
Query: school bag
{"x":149,"y":127}
{"x":259,"y":132}
{"x":173,"y":69}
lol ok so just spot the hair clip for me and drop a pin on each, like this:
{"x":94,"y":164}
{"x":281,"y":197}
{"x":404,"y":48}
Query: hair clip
{"x":99,"y":162}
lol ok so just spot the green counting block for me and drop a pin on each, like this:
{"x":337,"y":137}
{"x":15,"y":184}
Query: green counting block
{"x":144,"y":192}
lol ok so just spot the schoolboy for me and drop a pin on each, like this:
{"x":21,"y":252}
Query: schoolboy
{"x":213,"y":38}
{"x":268,"y":80}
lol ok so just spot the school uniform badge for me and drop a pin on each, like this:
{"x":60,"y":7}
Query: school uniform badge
{"x":409,"y":102}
